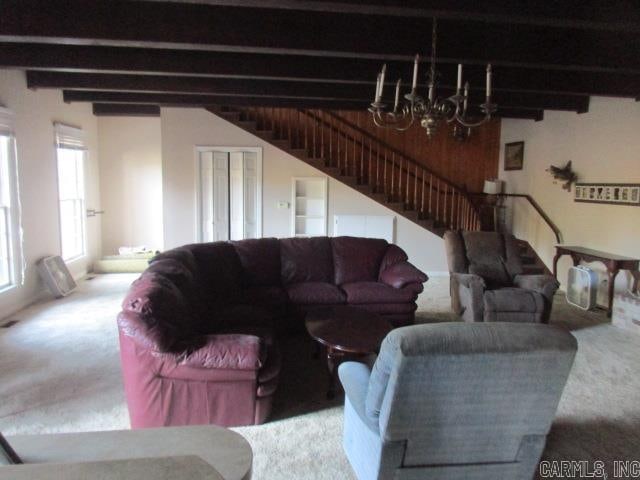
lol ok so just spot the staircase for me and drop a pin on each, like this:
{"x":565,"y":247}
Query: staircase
{"x":531,"y":262}
{"x":354,"y":157}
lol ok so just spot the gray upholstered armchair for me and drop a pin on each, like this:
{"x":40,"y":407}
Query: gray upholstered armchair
{"x":456,"y":401}
{"x":487,"y":283}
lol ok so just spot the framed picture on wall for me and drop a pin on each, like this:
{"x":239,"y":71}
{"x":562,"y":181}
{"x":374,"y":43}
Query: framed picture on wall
{"x":611,"y":193}
{"x":513,"y":155}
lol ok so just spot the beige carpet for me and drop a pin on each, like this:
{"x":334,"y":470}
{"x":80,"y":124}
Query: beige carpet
{"x":59,"y":371}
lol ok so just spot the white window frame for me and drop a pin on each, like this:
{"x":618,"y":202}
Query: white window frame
{"x":10,"y":203}
{"x":70,"y":138}
{"x":199,"y":149}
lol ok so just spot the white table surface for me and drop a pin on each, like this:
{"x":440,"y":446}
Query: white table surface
{"x":164,"y":468}
{"x":228,"y":452}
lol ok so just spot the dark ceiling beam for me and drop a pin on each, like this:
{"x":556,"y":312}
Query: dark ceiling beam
{"x":266,"y":84}
{"x":521,"y":113}
{"x":125,"y":110}
{"x":584,"y":14}
{"x":217,"y":28}
{"x":63,"y":58}
{"x":507,"y":100}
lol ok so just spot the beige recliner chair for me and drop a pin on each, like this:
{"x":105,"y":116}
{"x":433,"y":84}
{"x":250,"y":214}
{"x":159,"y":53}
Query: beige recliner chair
{"x":487,"y":283}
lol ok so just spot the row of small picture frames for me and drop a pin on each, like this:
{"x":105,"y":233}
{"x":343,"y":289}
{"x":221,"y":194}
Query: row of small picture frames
{"x":611,"y":193}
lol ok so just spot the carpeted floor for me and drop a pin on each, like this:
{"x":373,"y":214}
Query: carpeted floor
{"x":60,"y":371}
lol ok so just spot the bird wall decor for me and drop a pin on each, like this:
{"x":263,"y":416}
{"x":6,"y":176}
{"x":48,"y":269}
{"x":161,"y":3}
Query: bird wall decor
{"x":565,"y":174}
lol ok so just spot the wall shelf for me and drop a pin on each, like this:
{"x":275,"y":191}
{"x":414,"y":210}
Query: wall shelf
{"x":309,"y":202}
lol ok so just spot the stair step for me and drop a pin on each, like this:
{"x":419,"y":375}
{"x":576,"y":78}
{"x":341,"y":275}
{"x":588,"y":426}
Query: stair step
{"x":397,"y":206}
{"x":247,"y":124}
{"x":282,"y":144}
{"x":266,"y":134}
{"x":350,"y":180}
{"x":298,"y":152}
{"x":533,"y":269}
{"x":231,"y":116}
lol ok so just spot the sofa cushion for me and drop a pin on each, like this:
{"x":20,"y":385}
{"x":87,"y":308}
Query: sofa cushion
{"x":273,"y":296}
{"x":239,"y":319}
{"x":316,"y":293}
{"x":494,"y":274}
{"x":174,"y":270}
{"x":374,"y":292}
{"x":219,"y":271}
{"x":513,"y":300}
{"x":184,"y":255}
{"x":306,"y":260}
{"x":260,"y":260}
{"x":357,"y":259}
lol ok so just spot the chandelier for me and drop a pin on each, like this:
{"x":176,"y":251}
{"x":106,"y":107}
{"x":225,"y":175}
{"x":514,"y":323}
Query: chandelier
{"x":433,"y":110}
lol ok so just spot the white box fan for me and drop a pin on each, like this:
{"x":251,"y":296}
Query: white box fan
{"x":56,"y":276}
{"x":582,"y":288}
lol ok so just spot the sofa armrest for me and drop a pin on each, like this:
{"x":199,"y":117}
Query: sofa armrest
{"x":403,"y":273}
{"x":227,"y":351}
{"x":354,"y":377}
{"x":544,"y":284}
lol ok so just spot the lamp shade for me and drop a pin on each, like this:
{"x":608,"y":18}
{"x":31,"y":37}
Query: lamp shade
{"x":493,"y":186}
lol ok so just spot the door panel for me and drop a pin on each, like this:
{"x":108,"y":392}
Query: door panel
{"x":206,"y":196}
{"x":251,"y":199}
{"x":230,"y":195}
{"x":236,"y":197}
{"x":220,"y":196}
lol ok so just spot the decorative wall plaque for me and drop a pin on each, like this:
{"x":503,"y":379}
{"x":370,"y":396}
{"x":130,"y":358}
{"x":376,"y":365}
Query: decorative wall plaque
{"x":612,"y":193}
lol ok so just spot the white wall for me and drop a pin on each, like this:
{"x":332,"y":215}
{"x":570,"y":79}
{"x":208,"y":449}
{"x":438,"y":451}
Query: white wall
{"x":130,"y":182}
{"x":604,"y":146}
{"x":35,"y":112}
{"x":183,"y":129}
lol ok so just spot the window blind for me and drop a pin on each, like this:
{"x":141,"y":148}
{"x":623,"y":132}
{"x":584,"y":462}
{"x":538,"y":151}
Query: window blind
{"x":6,"y":121}
{"x":69,"y":137}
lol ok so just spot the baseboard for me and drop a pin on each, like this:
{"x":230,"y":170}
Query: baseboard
{"x":437,"y":274}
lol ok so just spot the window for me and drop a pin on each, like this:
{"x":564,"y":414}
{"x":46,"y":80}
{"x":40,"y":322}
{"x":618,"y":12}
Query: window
{"x":9,"y":205}
{"x":71,"y":155}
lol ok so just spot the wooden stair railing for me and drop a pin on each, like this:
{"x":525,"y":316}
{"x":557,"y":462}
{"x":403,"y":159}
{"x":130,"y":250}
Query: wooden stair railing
{"x":360,"y":160}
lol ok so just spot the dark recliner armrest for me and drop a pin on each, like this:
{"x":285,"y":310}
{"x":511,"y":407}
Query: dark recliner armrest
{"x":401,"y":274}
{"x":469,"y":280}
{"x":470,"y":290}
{"x":544,"y":284}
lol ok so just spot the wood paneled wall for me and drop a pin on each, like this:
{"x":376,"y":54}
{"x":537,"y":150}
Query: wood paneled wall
{"x":466,"y":164}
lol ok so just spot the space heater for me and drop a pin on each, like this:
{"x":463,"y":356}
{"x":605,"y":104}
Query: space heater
{"x":56,"y":276}
{"x":582,"y":287}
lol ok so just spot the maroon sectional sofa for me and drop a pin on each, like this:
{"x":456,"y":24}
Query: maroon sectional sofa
{"x":197,"y":328}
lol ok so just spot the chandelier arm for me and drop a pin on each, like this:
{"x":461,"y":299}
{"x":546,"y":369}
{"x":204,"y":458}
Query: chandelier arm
{"x":467,"y":124}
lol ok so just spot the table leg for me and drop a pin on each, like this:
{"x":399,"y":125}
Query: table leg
{"x":334,"y":359}
{"x":555,"y":264}
{"x":636,"y":280}
{"x":611,"y":288}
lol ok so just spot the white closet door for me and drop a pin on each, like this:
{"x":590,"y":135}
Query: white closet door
{"x":252,"y":195}
{"x":220,"y":196}
{"x":206,"y":196}
{"x":236,"y":195}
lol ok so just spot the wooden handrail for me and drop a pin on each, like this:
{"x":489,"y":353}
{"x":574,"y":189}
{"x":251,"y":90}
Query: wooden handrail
{"x":540,"y":211}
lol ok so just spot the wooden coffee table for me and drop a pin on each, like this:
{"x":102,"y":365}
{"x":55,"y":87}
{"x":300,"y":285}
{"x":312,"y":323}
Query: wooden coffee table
{"x":348,"y":333}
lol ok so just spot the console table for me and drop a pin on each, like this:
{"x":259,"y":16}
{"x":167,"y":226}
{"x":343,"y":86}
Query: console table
{"x":613,"y":262}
